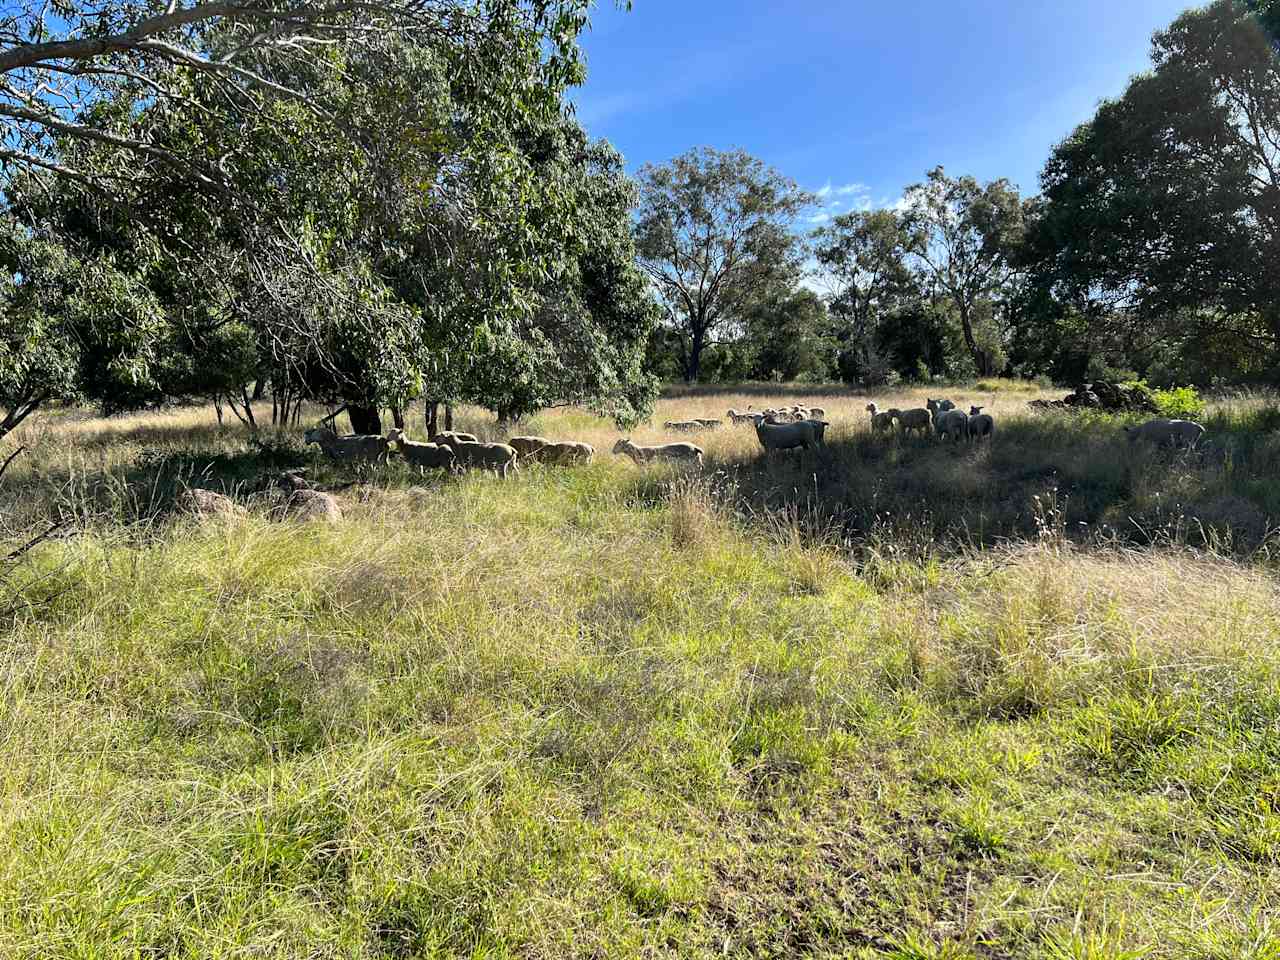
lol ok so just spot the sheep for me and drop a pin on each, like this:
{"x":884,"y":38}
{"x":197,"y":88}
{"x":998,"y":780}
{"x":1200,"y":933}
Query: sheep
{"x":353,"y":448}
{"x":951,"y":424}
{"x":496,"y":456}
{"x":936,"y":407}
{"x":422,"y":455}
{"x":980,"y":424}
{"x":882,"y":420}
{"x":684,"y":426}
{"x":787,"y":436}
{"x":452,"y":436}
{"x":1167,"y":432}
{"x":710,"y":424}
{"x":749,"y":417}
{"x":564,"y":452}
{"x":917,"y":418}
{"x":527,"y":446}
{"x":817,"y":413}
{"x":665,"y":451}
{"x":819,"y":429}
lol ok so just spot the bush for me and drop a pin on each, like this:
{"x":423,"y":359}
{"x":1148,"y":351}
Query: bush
{"x":1179,"y":403}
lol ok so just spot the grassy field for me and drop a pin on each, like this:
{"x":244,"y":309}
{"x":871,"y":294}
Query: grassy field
{"x":877,"y":701}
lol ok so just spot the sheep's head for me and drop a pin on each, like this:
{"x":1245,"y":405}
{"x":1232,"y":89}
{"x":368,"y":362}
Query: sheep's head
{"x":872,"y":409}
{"x":395,"y":435}
{"x":622,"y":445}
{"x":932,"y":405}
{"x":974,"y":411}
{"x":318,"y":435}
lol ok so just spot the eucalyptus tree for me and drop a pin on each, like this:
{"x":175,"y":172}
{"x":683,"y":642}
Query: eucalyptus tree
{"x":966,"y":238}
{"x":714,"y":232}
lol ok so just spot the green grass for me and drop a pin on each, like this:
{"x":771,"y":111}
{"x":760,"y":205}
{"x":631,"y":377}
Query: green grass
{"x":602,"y":712}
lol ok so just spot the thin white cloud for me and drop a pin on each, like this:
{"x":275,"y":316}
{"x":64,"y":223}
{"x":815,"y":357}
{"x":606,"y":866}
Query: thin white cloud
{"x":819,"y":218}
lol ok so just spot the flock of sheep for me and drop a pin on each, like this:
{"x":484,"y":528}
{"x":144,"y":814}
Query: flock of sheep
{"x":779,"y":428}
{"x":936,"y":416}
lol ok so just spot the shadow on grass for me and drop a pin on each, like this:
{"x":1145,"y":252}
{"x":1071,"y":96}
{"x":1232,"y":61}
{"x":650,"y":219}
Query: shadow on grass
{"x":1075,"y":477}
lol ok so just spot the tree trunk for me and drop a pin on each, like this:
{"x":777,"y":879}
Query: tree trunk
{"x":448,"y":416}
{"x":432,"y":414}
{"x":364,"y":420}
{"x":974,"y":352}
{"x":694,"y":363}
{"x":259,"y":388}
{"x":217,"y":408}
{"x":397,"y":417}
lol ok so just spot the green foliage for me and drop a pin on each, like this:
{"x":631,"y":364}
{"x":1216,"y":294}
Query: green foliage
{"x":1179,"y":403}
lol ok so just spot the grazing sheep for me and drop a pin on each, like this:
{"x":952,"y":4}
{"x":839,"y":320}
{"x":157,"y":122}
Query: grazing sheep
{"x":665,"y":451}
{"x":980,"y":424}
{"x":882,"y":420}
{"x":565,"y":452}
{"x":684,"y":426}
{"x":422,"y":455}
{"x":917,"y":418}
{"x":451,"y":437}
{"x":936,"y":407}
{"x":1171,"y":433}
{"x":527,"y":446}
{"x":710,"y":424}
{"x":952,"y":424}
{"x":495,"y":456}
{"x":369,"y":448}
{"x":787,"y":436}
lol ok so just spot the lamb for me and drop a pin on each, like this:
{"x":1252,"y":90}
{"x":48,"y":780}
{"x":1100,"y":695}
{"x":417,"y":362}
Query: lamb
{"x":564,"y":452}
{"x":787,"y":436}
{"x":882,"y":420}
{"x":980,"y":424}
{"x":917,"y":418}
{"x":665,"y":451}
{"x":370,"y":448}
{"x":496,"y":456}
{"x":1167,"y":432}
{"x":422,"y":455}
{"x":527,"y":446}
{"x":952,"y":424}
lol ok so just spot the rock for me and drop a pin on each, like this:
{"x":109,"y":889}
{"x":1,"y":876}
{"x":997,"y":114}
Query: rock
{"x":208,"y":503}
{"x":308,"y":505}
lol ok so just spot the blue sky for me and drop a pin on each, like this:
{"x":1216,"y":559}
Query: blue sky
{"x":864,"y":96}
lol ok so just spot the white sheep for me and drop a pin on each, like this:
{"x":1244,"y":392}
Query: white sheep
{"x":564,"y":452}
{"x":787,"y":436}
{"x":737,"y":417}
{"x":882,"y":420}
{"x":1167,"y":432}
{"x":369,"y":448}
{"x":452,"y":436}
{"x":817,"y":413}
{"x":421,"y":455}
{"x":496,"y":456}
{"x":709,"y":424}
{"x":917,"y":418}
{"x":980,"y":424}
{"x":666,"y":451}
{"x":951,"y":424}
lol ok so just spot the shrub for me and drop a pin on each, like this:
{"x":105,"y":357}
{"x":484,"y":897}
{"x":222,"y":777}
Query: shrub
{"x":1179,"y":403}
